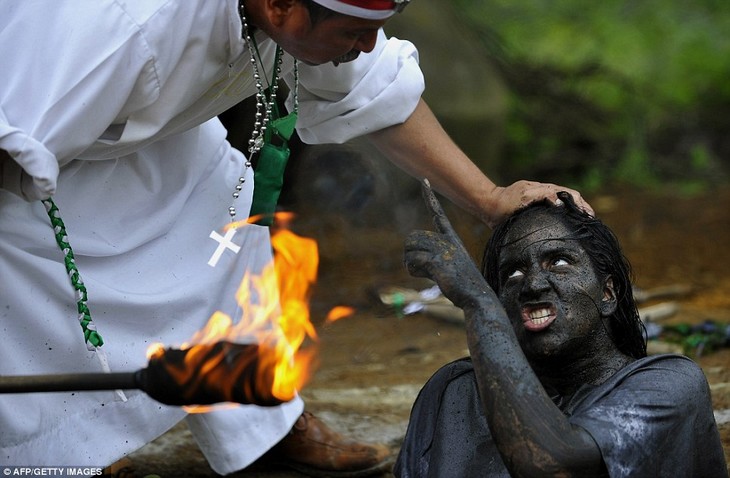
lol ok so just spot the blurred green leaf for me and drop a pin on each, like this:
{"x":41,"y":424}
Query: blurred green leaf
{"x":632,"y":84}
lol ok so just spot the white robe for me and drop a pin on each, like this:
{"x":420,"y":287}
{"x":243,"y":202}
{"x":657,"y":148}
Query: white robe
{"x":109,"y":106}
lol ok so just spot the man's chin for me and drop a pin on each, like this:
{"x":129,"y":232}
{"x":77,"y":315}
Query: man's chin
{"x":334,"y":62}
{"x":352,"y":56}
{"x":342,"y":59}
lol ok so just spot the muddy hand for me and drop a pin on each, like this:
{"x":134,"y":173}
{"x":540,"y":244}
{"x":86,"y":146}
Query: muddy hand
{"x":441,"y":256}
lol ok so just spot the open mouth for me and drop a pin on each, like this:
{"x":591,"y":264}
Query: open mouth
{"x":538,"y":316}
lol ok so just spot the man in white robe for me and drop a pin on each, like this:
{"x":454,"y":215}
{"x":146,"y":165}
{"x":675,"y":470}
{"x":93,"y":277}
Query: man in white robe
{"x":109,"y":107}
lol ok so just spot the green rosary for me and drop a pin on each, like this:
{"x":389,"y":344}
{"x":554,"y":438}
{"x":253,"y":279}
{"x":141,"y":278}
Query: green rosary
{"x":271,"y":134}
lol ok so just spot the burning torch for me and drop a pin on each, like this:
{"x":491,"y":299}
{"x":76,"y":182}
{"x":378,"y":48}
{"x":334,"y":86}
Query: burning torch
{"x":200,"y":375}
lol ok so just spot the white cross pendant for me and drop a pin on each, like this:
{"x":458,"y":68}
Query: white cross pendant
{"x":224,"y":242}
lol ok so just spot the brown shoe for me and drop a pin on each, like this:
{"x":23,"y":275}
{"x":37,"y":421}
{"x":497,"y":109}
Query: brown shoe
{"x":120,"y":469}
{"x":312,"y":448}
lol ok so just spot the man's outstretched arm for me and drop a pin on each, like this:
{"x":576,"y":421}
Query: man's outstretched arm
{"x":422,"y":148}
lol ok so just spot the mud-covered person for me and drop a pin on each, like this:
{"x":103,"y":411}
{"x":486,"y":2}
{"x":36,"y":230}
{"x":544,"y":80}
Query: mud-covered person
{"x":558,"y":382}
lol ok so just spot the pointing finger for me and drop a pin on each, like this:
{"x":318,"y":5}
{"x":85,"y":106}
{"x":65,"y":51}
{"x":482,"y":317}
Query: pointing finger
{"x":442,"y":223}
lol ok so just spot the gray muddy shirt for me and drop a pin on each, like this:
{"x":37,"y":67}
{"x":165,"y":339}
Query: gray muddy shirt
{"x":653,"y":418}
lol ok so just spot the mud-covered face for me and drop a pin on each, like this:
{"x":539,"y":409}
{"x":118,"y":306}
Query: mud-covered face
{"x":549,"y":288}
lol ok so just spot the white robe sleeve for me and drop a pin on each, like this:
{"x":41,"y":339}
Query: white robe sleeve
{"x":36,"y":178}
{"x":64,"y":82}
{"x":379,"y":89}
{"x":76,"y":74}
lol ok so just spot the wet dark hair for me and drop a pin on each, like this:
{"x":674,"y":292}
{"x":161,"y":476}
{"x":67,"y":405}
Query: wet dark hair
{"x":602,"y":246}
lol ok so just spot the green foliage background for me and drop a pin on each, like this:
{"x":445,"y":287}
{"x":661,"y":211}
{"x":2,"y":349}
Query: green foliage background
{"x":639,"y":88}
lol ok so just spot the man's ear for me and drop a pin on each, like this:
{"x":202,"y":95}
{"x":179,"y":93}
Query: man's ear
{"x":278,"y":11}
{"x":609,"y":303}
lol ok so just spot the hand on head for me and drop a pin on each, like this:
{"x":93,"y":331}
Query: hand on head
{"x":521,"y":193}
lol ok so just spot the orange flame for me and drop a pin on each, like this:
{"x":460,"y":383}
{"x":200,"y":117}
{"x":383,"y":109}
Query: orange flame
{"x":275,"y":314}
{"x":339,"y":312}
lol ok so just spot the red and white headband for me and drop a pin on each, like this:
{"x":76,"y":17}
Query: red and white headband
{"x":368,"y":9}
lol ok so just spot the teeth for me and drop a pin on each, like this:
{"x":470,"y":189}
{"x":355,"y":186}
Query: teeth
{"x":539,"y":316}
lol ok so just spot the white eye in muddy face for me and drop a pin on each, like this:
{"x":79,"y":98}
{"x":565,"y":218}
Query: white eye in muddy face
{"x":515,"y":274}
{"x":560,"y":262}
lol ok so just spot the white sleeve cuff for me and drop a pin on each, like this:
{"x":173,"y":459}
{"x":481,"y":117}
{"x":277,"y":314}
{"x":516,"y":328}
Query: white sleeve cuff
{"x":379,"y":89}
{"x":34,"y":172}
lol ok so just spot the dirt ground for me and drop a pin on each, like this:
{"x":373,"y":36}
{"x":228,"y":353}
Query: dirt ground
{"x":374,"y":362}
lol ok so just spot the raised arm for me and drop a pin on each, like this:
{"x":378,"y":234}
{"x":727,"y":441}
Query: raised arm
{"x":533,"y":436}
{"x":422,"y":148}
